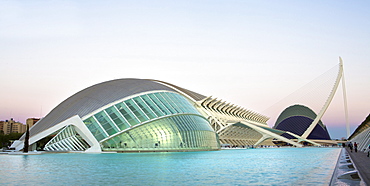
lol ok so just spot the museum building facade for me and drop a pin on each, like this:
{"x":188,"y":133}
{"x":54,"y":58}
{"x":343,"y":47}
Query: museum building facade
{"x":134,"y":115}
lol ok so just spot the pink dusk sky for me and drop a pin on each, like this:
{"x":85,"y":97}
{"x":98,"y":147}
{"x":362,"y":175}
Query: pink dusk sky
{"x":249,"y":53}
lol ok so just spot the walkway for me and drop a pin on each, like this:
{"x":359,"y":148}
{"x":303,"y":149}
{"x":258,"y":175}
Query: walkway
{"x":362,"y":163}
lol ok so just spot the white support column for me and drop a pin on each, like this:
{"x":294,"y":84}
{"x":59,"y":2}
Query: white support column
{"x":214,"y":101}
{"x":303,"y":139}
{"x":218,"y":105}
{"x":271,"y":134}
{"x":345,"y":101}
{"x":206,"y":101}
{"x":223,"y":109}
{"x":262,"y":139}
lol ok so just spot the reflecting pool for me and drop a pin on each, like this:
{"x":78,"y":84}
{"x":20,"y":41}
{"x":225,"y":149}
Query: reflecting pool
{"x":264,"y":166}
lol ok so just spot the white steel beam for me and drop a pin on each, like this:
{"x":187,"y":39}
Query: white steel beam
{"x":327,"y":103}
{"x":269,"y":133}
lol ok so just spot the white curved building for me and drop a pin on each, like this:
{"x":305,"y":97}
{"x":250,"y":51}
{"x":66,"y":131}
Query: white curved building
{"x":126,"y":115}
{"x":362,"y":135}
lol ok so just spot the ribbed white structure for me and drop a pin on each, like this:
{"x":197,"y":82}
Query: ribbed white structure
{"x":362,"y":135}
{"x":238,"y":126}
{"x":129,"y":114}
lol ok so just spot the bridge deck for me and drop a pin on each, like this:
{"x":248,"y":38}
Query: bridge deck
{"x":362,"y":163}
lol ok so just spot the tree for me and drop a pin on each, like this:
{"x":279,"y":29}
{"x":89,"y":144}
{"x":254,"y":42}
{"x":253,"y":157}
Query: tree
{"x":5,"y":139}
{"x":26,"y":139}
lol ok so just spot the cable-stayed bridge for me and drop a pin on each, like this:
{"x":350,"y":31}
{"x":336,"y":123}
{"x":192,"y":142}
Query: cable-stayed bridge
{"x":305,"y":108}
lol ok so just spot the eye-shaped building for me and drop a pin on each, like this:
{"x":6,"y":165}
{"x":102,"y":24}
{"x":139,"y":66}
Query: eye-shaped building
{"x":126,"y":115}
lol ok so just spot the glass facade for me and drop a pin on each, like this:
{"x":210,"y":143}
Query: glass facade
{"x":154,"y":121}
{"x":180,"y":132}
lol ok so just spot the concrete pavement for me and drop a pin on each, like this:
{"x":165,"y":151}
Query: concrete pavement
{"x":362,"y":164}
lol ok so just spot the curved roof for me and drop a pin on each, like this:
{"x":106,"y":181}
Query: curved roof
{"x":297,"y":119}
{"x":297,"y":110}
{"x":364,"y":125}
{"x":194,"y":95}
{"x":99,"y":95}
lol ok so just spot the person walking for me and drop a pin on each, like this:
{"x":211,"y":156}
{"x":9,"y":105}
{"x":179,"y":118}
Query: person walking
{"x":355,"y":146}
{"x":368,"y":152}
{"x":350,"y":146}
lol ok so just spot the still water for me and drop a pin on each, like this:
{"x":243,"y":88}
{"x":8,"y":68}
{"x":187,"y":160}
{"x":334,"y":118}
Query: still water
{"x":265,"y":166}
